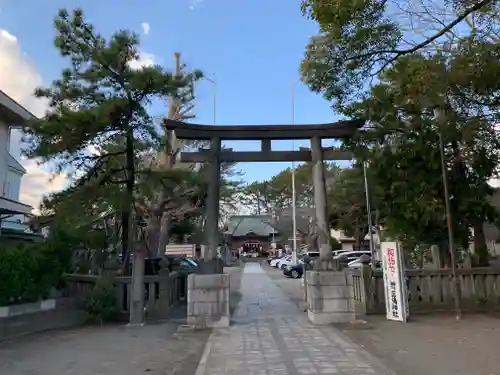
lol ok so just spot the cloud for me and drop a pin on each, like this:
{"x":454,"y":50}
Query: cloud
{"x":18,"y":76}
{"x":18,"y":79}
{"x":37,"y":183}
{"x":145,"y":59}
{"x":194,"y":3}
{"x":145,"y":28}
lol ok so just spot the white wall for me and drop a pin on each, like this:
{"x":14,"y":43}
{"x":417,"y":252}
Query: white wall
{"x":12,"y":189}
{"x":349,"y":246}
{"x":13,"y":184}
{"x":10,"y":181}
{"x":4,"y":147}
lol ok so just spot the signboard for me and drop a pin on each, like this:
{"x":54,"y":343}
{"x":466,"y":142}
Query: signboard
{"x":396,"y":300}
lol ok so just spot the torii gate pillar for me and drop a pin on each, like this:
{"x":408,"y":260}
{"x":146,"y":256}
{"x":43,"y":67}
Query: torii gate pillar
{"x":320,"y":199}
{"x":211,"y":230}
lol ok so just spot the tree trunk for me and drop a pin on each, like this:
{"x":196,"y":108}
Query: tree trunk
{"x":125,"y":241}
{"x":480,"y":248}
{"x":444,"y":250}
{"x":137,"y":295}
{"x":163,"y":237}
{"x":153,"y":232}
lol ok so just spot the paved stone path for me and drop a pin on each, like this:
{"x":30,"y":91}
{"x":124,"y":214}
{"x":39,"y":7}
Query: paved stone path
{"x":269,"y":336}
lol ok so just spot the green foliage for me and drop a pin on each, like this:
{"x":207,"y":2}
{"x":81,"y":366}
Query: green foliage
{"x":101,"y":302}
{"x":98,"y":128}
{"x":276,"y":193}
{"x":480,"y":299}
{"x":29,"y":271}
{"x":338,"y":61}
{"x":181,"y":228}
{"x":336,"y":245}
{"x":402,"y":146}
{"x":359,"y":39}
{"x":362,"y":40}
{"x":347,"y":203}
{"x":101,"y":95}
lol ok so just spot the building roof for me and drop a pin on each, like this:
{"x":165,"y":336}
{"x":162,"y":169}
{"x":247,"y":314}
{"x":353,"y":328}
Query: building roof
{"x":13,"y":112}
{"x":11,"y":207}
{"x":241,"y":225}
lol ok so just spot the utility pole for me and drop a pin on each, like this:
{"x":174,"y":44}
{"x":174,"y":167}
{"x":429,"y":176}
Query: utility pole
{"x":214,"y":97}
{"x":294,"y":203}
{"x":369,"y":211}
{"x":439,"y":116}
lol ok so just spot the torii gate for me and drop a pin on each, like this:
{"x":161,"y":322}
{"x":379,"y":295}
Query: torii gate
{"x":265,"y":133}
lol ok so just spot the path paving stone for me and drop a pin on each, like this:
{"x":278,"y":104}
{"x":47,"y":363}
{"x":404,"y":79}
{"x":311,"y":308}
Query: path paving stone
{"x":270,"y":336}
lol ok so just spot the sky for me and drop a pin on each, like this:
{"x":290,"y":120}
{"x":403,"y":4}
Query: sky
{"x":252,"y":49}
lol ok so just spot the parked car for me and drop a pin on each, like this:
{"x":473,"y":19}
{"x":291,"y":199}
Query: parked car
{"x":357,"y":264}
{"x":275,"y":262}
{"x":185,"y":264}
{"x":312,"y":254}
{"x":276,"y":257}
{"x":294,"y":271}
{"x":353,"y":255}
{"x":288,"y":261}
{"x":338,"y":252}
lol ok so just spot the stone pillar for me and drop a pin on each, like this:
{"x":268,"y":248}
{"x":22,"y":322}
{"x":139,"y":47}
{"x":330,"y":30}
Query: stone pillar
{"x":165,"y":290}
{"x":137,"y":293}
{"x":320,"y":199}
{"x":208,"y":301}
{"x":436,"y":256}
{"x":212,"y":209}
{"x":330,"y":297}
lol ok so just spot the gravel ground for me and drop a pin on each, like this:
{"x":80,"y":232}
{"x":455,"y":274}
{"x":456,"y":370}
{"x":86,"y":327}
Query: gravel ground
{"x":428,"y":345}
{"x":158,"y":349}
{"x":112,"y":349}
{"x":434,"y":344}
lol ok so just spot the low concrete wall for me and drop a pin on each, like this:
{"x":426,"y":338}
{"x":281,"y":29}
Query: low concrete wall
{"x":208,"y":301}
{"x":17,"y":320}
{"x":330,"y":297}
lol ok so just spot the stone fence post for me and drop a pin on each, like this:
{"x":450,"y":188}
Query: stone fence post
{"x":366,"y":304}
{"x":165,"y":293}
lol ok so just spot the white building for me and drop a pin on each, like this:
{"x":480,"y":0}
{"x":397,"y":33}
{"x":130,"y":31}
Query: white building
{"x":12,"y":211}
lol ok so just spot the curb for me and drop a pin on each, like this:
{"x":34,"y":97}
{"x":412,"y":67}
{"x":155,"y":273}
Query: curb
{"x":202,"y":365}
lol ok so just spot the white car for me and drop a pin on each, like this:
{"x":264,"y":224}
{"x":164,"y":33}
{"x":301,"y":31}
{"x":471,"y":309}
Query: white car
{"x":353,"y":255}
{"x":355,"y":264}
{"x":339,"y":252}
{"x":274,"y":262}
{"x":288,"y":262}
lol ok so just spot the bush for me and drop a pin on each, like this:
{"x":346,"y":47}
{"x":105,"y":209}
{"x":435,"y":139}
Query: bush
{"x":29,"y":271}
{"x":100,"y":303}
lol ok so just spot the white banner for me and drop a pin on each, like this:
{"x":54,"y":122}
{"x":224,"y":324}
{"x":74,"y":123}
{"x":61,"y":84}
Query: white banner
{"x":396,"y":297}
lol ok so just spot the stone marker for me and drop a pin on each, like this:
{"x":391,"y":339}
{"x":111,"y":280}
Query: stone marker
{"x":208,"y":301}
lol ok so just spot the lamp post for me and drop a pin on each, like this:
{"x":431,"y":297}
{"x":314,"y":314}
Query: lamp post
{"x":294,"y":203}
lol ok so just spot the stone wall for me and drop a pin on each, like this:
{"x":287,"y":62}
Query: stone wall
{"x":17,"y":320}
{"x":208,"y":301}
{"x":330,"y":297}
